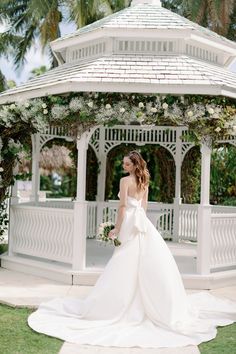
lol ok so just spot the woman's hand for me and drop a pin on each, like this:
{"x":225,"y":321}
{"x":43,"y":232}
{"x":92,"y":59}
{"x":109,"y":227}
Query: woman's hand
{"x":112,"y":234}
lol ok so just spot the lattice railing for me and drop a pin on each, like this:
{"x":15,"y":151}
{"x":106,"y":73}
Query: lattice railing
{"x":223,"y":240}
{"x":42,"y":232}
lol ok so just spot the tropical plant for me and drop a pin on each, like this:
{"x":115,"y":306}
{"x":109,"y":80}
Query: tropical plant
{"x":3,"y":84}
{"x":28,"y":20}
{"x":25,"y":21}
{"x":214,"y":14}
{"x":38,"y":71}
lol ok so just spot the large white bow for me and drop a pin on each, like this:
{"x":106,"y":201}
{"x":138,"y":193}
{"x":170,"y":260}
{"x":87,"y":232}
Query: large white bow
{"x":140,"y":222}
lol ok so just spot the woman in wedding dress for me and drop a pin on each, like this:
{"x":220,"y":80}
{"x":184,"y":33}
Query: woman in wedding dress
{"x":139,"y":300}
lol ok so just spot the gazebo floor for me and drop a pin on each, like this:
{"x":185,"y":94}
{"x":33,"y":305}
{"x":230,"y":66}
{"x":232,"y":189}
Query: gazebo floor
{"x":98,"y":254}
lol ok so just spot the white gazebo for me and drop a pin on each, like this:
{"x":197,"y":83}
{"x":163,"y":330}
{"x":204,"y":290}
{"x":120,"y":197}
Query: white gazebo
{"x":144,"y":49}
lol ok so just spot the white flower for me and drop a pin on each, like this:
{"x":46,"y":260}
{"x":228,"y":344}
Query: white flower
{"x":1,"y":169}
{"x":190,"y":113}
{"x":226,"y":125}
{"x":234,"y":128}
{"x":165,"y":105}
{"x":12,"y":106}
{"x":217,"y":130}
{"x":45,"y":111}
{"x":108,"y":106}
{"x":26,"y":104}
{"x":122,"y":110}
{"x":210,"y":110}
{"x":90,"y":104}
{"x":75,"y":104}
{"x":44,"y":105}
{"x":141,"y":105}
{"x":153,"y":110}
{"x":59,"y":112}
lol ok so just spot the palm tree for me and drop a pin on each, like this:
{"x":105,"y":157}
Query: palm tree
{"x":214,"y":14}
{"x":3,"y":84}
{"x":27,"y":20}
{"x":38,"y":71}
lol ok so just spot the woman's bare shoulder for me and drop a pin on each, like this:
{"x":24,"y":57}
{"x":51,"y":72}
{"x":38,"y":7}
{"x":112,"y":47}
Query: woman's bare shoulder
{"x":125,"y":179}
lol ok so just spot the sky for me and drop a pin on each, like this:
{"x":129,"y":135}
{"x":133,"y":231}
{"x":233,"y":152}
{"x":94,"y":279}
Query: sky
{"x":35,"y":58}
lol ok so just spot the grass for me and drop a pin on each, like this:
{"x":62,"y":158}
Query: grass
{"x":224,"y":343}
{"x":16,"y":337}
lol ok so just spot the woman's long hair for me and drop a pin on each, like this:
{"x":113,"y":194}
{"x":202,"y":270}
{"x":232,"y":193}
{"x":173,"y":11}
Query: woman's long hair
{"x":141,"y":172}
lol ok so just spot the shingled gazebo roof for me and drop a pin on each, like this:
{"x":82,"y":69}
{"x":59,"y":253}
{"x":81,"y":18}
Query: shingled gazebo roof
{"x":144,"y":48}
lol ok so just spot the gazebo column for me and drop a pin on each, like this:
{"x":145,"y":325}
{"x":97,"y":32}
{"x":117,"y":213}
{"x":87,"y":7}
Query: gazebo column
{"x":177,"y":198}
{"x":35,"y":168}
{"x":80,"y":207}
{"x":204,"y":215}
{"x":101,"y":181}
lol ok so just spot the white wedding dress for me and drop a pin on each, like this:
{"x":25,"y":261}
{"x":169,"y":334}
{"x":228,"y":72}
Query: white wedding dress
{"x":138,"y":301}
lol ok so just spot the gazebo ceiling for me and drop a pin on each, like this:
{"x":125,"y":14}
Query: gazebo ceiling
{"x":143,"y":74}
{"x":145,"y":49}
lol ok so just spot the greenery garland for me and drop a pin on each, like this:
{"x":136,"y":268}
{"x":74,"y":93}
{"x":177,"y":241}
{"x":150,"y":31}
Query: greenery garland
{"x":207,"y":117}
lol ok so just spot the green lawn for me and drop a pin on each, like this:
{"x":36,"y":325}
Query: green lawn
{"x":16,"y":337}
{"x":224,"y":343}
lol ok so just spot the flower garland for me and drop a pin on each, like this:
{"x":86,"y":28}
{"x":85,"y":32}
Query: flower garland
{"x":207,"y":118}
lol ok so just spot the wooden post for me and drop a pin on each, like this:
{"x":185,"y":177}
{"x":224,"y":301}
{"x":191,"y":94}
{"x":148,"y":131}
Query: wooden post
{"x":204,"y":214}
{"x":177,"y":198}
{"x":80,"y":207}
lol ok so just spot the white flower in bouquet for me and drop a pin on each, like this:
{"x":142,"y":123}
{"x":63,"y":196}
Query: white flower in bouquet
{"x":103,"y":233}
{"x":153,"y":110}
{"x":190,"y":113}
{"x":90,"y":104}
{"x":141,"y":105}
{"x":165,"y":105}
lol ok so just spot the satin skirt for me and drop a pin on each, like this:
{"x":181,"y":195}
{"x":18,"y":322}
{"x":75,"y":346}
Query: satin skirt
{"x":138,"y":301}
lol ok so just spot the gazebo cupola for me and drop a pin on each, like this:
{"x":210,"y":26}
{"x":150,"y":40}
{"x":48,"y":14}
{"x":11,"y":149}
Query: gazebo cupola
{"x":144,"y":48}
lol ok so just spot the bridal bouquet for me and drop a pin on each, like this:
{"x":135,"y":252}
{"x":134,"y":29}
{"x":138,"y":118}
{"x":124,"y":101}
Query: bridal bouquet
{"x":103,"y":232}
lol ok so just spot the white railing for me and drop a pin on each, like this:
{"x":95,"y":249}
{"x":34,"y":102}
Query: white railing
{"x":91,"y":219}
{"x":223,"y":240}
{"x":188,"y":222}
{"x":161,"y":215}
{"x":42,"y":232}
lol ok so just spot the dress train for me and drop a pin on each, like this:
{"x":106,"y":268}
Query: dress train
{"x":138,"y":301}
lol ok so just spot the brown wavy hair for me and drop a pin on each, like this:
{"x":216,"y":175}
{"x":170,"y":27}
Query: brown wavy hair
{"x":141,"y":172}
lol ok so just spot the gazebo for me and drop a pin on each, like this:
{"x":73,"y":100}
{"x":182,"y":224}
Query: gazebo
{"x":144,"y":49}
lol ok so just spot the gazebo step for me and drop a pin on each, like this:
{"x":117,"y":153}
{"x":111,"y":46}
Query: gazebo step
{"x":188,"y":249}
{"x":191,"y":281}
{"x":89,"y":276}
{"x":44,"y":269}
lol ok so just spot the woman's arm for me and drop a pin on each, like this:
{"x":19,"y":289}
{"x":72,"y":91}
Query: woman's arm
{"x":145,"y":199}
{"x":122,"y":205}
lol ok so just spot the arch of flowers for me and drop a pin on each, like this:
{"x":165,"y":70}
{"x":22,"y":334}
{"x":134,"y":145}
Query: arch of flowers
{"x":208,"y":119}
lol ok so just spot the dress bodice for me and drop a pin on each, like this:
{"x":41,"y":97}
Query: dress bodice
{"x":132,"y":202}
{"x":138,"y":214}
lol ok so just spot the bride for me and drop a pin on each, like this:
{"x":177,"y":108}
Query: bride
{"x":139,"y":300}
